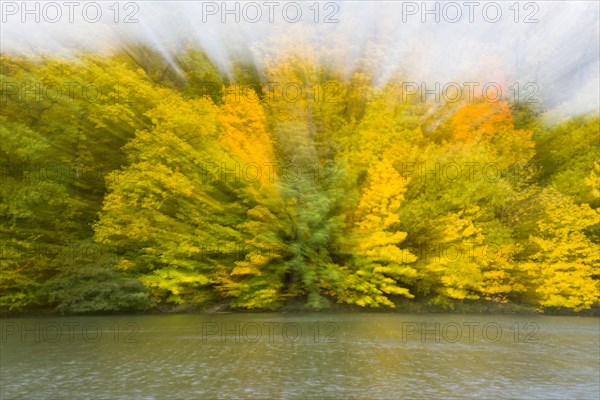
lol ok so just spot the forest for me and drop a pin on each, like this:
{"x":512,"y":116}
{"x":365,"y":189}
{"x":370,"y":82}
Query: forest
{"x":134,"y":181}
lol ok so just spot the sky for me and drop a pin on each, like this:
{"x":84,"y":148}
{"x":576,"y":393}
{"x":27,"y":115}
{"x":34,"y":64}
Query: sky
{"x":546,"y":50}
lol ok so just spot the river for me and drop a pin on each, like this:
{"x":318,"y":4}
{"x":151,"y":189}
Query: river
{"x":300,"y":356}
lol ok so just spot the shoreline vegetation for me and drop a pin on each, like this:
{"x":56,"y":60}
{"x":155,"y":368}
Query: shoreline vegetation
{"x":409,"y":308}
{"x":425,"y":308}
{"x":135,"y":181}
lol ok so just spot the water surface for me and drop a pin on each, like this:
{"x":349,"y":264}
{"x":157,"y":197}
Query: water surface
{"x":300,"y":356}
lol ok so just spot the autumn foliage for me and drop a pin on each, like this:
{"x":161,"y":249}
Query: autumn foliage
{"x":171,"y":196}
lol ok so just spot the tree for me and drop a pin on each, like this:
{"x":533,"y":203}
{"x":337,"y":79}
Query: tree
{"x":566,"y":154}
{"x":564,"y":269}
{"x":453,"y":208}
{"x":380,"y":266}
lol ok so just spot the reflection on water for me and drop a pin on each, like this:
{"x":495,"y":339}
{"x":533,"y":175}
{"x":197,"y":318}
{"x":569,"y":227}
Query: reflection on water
{"x":300,"y":356}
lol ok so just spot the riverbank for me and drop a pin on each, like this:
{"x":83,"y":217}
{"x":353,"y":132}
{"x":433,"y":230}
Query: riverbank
{"x":457,"y":307}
